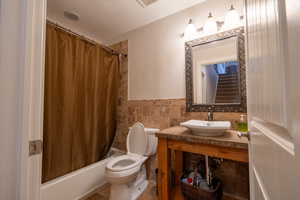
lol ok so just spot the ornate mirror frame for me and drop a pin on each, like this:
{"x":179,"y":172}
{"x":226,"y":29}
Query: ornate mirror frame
{"x":230,"y":107}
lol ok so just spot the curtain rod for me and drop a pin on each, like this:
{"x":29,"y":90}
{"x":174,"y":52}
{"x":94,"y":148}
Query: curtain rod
{"x":110,"y":50}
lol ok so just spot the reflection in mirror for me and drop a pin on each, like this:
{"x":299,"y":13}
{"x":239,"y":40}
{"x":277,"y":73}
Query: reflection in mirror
{"x":215,"y":67}
{"x":217,"y":83}
{"x":215,"y":73}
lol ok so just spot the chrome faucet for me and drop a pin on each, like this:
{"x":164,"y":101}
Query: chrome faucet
{"x":210,"y":115}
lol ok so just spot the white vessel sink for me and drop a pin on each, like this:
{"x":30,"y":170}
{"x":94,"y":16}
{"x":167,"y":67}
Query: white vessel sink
{"x":207,"y":128}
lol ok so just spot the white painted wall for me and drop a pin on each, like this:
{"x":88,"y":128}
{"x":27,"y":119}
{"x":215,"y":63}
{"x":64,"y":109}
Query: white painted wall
{"x":10,"y":97}
{"x":211,"y":53}
{"x":156,"y":51}
{"x":211,"y":79}
{"x":21,"y":89}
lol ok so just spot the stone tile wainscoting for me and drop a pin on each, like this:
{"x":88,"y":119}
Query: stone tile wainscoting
{"x":122,"y":110}
{"x":164,"y":113}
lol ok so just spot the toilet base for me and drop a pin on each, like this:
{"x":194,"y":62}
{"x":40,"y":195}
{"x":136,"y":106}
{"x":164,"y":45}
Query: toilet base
{"x":136,"y":193}
{"x":130,"y":191}
{"x":123,"y":192}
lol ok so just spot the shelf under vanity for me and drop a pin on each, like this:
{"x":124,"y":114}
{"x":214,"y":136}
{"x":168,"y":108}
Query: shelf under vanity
{"x":177,"y":140}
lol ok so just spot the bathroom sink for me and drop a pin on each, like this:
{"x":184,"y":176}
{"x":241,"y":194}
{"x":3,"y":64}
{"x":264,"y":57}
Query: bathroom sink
{"x":207,"y":128}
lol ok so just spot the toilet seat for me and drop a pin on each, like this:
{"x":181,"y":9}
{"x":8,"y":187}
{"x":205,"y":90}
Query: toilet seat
{"x":123,"y":163}
{"x":123,"y":173}
{"x":136,"y":147}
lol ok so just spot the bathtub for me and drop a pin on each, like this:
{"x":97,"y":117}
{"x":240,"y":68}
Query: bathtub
{"x":75,"y":185}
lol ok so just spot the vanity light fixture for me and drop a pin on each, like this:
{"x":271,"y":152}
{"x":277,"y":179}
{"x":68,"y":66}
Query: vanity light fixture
{"x":210,"y":26}
{"x":190,"y":32}
{"x":232,"y":19}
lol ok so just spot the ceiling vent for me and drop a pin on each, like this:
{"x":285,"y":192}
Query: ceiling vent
{"x":71,"y":16}
{"x":145,"y":3}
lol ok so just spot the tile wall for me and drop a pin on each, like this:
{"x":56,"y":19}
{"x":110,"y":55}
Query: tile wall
{"x":163,"y":113}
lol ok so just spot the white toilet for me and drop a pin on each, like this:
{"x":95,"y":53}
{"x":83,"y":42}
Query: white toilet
{"x":127,"y":174}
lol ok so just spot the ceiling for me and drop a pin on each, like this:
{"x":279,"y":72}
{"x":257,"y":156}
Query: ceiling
{"x":104,"y":20}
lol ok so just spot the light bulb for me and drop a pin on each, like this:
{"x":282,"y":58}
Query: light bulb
{"x":190,"y":32}
{"x":210,"y":27}
{"x":232,"y":19}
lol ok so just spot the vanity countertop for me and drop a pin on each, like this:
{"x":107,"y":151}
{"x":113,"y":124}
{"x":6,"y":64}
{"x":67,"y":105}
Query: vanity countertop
{"x":229,"y":139}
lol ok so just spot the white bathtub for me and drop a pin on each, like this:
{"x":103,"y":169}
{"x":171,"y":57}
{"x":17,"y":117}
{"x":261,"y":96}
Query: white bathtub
{"x":79,"y":183}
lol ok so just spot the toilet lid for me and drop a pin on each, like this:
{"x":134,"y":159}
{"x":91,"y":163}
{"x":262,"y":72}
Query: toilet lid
{"x":137,"y":139}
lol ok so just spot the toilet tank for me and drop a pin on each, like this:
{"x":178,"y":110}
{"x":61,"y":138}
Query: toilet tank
{"x":152,"y":141}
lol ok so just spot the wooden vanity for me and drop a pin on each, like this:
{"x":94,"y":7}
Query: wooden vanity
{"x":177,"y":140}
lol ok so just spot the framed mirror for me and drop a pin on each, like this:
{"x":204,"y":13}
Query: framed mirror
{"x":215,"y":73}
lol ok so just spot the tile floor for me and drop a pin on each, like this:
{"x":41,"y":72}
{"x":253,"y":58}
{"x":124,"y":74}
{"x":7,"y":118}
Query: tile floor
{"x":103,"y":193}
{"x":150,"y":194}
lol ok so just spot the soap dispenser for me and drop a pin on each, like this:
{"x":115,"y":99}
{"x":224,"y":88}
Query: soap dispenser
{"x":242,"y":124}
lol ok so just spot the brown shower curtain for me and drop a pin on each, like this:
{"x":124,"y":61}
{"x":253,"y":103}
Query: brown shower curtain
{"x":81,"y":87}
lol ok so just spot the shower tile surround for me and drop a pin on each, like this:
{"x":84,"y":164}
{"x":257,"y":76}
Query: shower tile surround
{"x":164,"y":113}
